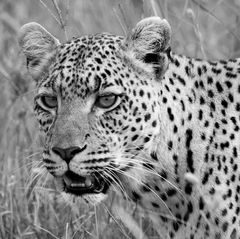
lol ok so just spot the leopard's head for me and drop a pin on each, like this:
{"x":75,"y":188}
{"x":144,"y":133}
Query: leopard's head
{"x":97,"y":104}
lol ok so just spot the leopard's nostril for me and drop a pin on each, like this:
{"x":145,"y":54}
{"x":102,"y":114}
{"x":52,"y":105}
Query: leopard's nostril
{"x":68,"y":153}
{"x":59,"y":151}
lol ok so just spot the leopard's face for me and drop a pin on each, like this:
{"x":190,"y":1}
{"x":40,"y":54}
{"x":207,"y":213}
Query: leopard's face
{"x":113,"y":116}
{"x":97,"y":104}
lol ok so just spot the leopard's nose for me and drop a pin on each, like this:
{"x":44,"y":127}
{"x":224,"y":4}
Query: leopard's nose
{"x":68,"y":153}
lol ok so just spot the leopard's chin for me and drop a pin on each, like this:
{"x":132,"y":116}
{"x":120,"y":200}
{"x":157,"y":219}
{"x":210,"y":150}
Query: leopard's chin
{"x":93,"y":199}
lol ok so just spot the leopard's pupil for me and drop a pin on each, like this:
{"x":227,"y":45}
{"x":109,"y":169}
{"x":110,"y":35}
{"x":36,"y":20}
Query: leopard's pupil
{"x":49,"y":101}
{"x":106,"y":101}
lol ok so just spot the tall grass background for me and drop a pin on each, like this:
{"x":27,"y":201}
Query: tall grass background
{"x":29,"y":205}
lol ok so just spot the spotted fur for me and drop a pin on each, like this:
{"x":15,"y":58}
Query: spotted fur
{"x":171,"y":140}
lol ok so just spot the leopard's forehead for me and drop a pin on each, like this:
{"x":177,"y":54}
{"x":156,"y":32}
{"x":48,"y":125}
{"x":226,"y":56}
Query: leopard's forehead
{"x":86,"y":46}
{"x":84,"y":63}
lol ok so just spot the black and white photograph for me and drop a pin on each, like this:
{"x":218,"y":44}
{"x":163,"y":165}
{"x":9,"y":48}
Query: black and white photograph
{"x":120,"y":119}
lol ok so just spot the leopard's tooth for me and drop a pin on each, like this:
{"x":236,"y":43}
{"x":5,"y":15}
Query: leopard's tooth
{"x":78,"y":185}
{"x":88,"y":182}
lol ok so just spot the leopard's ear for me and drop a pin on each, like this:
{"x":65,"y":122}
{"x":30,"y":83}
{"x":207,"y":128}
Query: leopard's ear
{"x":39,"y":47}
{"x":149,"y":43}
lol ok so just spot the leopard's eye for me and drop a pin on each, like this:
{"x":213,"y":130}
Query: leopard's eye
{"x":49,"y":101}
{"x":106,"y":101}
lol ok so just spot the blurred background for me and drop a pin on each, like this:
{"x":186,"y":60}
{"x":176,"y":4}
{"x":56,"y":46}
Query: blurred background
{"x":29,"y":205}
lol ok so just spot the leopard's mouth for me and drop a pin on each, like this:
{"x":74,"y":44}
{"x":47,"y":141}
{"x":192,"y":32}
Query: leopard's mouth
{"x":80,"y":185}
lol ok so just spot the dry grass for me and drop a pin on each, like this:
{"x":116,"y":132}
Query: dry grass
{"x":29,"y":205}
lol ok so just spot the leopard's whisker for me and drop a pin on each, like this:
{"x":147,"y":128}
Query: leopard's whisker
{"x":109,"y":173}
{"x":139,"y":165}
{"x":124,"y":173}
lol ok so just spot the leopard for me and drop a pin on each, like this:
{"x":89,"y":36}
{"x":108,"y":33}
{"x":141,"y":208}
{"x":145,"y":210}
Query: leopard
{"x":126,"y":113}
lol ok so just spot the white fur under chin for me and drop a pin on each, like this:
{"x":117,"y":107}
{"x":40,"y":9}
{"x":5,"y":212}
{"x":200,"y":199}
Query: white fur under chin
{"x":93,"y":199}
